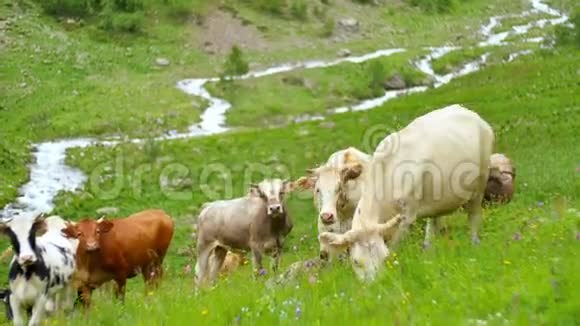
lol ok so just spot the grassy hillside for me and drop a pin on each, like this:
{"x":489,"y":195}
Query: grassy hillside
{"x":84,"y":68}
{"x":64,"y":81}
{"x":522,"y":272}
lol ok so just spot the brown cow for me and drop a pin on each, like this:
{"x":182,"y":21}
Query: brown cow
{"x":120,"y":249}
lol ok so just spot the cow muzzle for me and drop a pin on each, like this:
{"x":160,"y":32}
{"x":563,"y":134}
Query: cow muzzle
{"x":275,"y":209}
{"x":327,"y":218}
{"x":26,"y":260}
{"x":94,"y":246}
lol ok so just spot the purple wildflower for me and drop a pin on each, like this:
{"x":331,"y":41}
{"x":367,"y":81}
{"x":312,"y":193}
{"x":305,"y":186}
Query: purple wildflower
{"x":298,"y":312}
{"x":262,"y":272}
{"x":517,"y":236}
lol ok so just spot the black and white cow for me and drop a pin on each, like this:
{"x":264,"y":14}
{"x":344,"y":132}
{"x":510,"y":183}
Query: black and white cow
{"x":42,"y":268}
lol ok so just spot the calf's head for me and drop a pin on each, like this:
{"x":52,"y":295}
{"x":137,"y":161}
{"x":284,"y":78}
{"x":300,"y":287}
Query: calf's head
{"x":88,"y":232}
{"x":22,"y":231}
{"x":329,"y":185}
{"x":368,"y":250}
{"x":272,"y":191}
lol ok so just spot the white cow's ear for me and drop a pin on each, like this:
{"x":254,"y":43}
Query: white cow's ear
{"x":339,"y":241}
{"x":385,"y":228}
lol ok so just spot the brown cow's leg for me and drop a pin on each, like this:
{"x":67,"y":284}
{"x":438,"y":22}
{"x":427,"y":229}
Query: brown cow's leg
{"x":120,"y":293}
{"x":276,"y":256}
{"x":84,"y":294}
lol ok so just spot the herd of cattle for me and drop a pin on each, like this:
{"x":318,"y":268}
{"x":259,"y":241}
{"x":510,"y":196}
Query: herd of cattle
{"x":440,"y":162}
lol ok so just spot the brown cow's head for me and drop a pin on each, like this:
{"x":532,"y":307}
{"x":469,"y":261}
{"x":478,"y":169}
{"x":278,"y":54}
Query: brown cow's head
{"x":88,"y":232}
{"x":329,"y":186}
{"x":272,"y":191}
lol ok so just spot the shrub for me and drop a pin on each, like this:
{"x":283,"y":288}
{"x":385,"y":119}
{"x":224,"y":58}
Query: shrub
{"x":74,"y":8}
{"x":275,"y":7}
{"x":299,"y":10}
{"x":235,"y":63}
{"x":566,"y":36}
{"x":328,"y":27}
{"x":376,"y":71}
{"x":124,"y":22}
{"x":433,"y":6}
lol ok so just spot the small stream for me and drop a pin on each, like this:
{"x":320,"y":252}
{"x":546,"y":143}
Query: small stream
{"x":49,"y":174}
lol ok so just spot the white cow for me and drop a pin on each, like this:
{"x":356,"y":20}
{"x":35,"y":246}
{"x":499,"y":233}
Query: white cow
{"x":42,"y":268}
{"x":432,"y":167}
{"x":337,"y":190}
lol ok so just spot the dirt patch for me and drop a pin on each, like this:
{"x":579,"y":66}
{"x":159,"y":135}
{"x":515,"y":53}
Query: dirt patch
{"x":221,"y":31}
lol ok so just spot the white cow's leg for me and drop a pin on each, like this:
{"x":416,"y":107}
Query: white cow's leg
{"x":428,"y":234}
{"x":17,"y":311}
{"x":432,"y":228}
{"x":474,"y":209}
{"x":216,"y":261}
{"x":38,"y":311}
{"x":201,"y":266}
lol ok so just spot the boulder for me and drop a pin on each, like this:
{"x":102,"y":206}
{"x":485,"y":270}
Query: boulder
{"x":162,"y":62}
{"x":343,"y":53}
{"x":349,"y":24}
{"x":396,"y":82}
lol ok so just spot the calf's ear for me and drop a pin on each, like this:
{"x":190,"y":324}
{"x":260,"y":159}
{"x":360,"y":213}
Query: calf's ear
{"x":351,"y":172}
{"x":105,"y":226}
{"x":254,"y":190}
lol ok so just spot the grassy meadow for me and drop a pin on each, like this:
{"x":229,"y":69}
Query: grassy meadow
{"x":84,"y":82}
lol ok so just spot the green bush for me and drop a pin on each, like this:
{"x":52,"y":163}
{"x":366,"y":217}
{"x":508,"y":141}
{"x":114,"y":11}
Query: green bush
{"x":74,"y":8}
{"x":235,"y":64}
{"x":299,"y":10}
{"x":127,"y":16}
{"x":433,"y":6}
{"x":566,"y":36}
{"x":275,"y":7}
{"x":328,"y":27}
{"x":376,"y":71}
{"x":123,"y":22}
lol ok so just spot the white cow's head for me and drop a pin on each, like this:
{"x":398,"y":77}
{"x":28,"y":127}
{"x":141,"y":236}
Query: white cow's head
{"x":368,"y":250}
{"x":330,"y":187}
{"x":272,"y":191}
{"x":22,"y":231}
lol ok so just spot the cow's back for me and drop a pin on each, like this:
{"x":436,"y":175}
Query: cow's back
{"x":141,"y":238}
{"x":228,"y":221}
{"x":438,"y":150}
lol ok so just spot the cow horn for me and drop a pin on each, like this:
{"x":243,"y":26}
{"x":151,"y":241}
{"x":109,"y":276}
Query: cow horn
{"x":101,"y":220}
{"x":310,"y":171}
{"x":6,"y":220}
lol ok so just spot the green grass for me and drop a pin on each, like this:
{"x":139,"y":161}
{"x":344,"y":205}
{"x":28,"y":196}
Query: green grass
{"x":110,"y":85}
{"x":61,"y":79}
{"x":457,"y":59}
{"x":533,"y":109}
{"x":508,"y":23}
{"x":279,"y":98}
